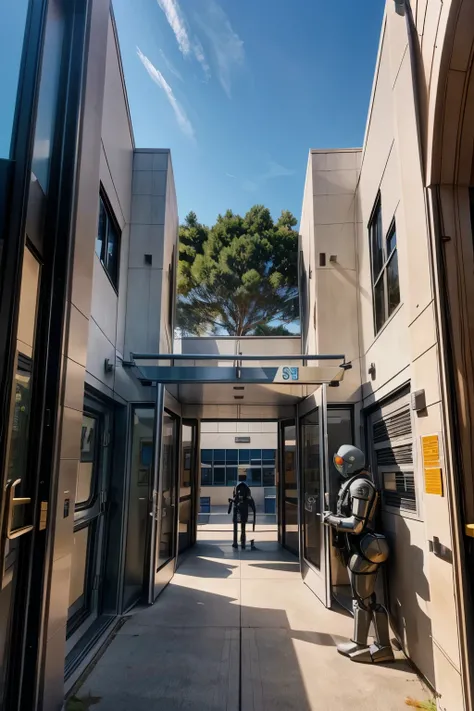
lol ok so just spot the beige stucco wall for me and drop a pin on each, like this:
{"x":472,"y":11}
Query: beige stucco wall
{"x":406,"y":349}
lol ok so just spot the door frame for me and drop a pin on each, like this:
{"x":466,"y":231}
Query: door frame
{"x":194,"y":424}
{"x":282,"y":424}
{"x":103,"y":412}
{"x":159,"y":577}
{"x":319,"y":581}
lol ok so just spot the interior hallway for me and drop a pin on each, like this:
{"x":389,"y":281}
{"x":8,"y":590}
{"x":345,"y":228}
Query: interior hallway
{"x":239,"y":631}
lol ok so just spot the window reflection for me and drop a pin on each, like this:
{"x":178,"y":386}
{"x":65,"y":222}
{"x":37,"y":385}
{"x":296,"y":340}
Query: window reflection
{"x":49,"y":93}
{"x":13,"y":17}
{"x":84,"y":487}
{"x":312,"y":504}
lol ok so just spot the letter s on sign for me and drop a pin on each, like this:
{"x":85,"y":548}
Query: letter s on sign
{"x":286,"y":373}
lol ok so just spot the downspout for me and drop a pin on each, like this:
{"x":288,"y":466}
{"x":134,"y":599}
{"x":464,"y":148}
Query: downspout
{"x":448,"y":410}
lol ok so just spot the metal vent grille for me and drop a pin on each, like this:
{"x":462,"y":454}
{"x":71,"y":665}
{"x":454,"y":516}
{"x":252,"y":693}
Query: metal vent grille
{"x":392,"y":427}
{"x":399,"y":491}
{"x":400,"y":456}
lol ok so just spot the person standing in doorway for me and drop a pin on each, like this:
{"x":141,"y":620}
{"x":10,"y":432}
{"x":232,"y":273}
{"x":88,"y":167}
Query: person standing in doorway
{"x":241,"y":502}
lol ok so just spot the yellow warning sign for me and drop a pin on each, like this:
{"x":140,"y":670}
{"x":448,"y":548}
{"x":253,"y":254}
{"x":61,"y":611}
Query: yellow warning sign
{"x":430,"y":450}
{"x":432,"y":465}
{"x":434,"y":481}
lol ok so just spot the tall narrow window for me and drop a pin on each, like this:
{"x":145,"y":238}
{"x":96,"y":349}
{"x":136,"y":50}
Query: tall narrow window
{"x":384,"y":264}
{"x":107,"y":244}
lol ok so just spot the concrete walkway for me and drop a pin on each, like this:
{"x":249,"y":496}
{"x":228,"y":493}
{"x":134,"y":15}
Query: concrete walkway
{"x":239,"y":631}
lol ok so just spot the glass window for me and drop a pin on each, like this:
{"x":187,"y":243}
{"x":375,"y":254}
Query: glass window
{"x":49,"y":93}
{"x":219,"y":457}
{"x":268,"y":476}
{"x":206,"y":475}
{"x":12,"y":35}
{"x":312,"y":501}
{"x":206,"y":456}
{"x":187,"y":441}
{"x":107,"y":245}
{"x":384,"y":260}
{"x":101,"y":240}
{"x":231,"y":476}
{"x":79,"y":569}
{"x":268,"y":456}
{"x":376,"y":241}
{"x":254,"y":476}
{"x":393,"y":284}
{"x":232,"y":456}
{"x":84,"y":485}
{"x":244,"y":456}
{"x":379,"y":304}
{"x":255,"y":457}
{"x":219,"y":476}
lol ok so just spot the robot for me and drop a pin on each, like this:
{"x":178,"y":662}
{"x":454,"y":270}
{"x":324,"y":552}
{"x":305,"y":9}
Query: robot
{"x":241,"y":502}
{"x":363,"y":551}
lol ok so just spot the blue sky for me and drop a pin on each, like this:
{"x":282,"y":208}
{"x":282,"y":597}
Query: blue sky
{"x":240,"y":90}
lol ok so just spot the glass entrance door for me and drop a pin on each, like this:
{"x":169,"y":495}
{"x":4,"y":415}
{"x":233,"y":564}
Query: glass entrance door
{"x":314,"y":488}
{"x":288,"y":508}
{"x":163,"y":497}
{"x":89,"y":521}
{"x":141,"y":464}
{"x":187,"y":485}
{"x":17,"y":481}
{"x":167,"y":534}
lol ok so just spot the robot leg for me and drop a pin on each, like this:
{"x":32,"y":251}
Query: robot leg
{"x":363,"y":576}
{"x":242,"y":535}
{"x":381,"y":651}
{"x":234,"y":543}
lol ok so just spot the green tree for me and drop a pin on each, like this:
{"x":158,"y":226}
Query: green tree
{"x":238,"y":277}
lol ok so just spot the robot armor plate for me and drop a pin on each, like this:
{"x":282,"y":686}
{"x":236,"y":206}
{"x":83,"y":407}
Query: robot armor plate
{"x":374,"y":547}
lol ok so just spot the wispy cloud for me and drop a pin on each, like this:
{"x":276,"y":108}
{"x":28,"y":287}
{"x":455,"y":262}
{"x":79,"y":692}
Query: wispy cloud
{"x":170,"y":66}
{"x":201,"y":57}
{"x":183,"y":121}
{"x":177,"y":21}
{"x":226,"y":44}
{"x":229,"y":175}
{"x":274,"y":170}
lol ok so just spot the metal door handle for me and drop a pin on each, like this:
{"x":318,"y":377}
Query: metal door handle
{"x":12,"y":502}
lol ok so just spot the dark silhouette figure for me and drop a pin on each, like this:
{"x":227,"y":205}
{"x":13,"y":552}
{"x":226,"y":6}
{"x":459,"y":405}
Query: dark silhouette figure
{"x":241,"y":502}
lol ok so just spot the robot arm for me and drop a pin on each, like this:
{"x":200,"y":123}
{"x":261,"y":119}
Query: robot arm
{"x":361,"y":496}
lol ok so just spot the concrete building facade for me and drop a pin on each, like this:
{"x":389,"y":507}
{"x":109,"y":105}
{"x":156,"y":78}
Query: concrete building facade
{"x":99,"y":494}
{"x":387,"y":240}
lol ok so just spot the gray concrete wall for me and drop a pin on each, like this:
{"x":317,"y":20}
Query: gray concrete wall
{"x":153,"y":231}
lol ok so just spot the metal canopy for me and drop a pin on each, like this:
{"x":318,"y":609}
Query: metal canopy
{"x":268,"y":380}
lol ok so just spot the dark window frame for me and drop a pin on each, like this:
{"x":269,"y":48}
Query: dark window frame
{"x":232,"y":464}
{"x":381,"y":257}
{"x":111,"y":223}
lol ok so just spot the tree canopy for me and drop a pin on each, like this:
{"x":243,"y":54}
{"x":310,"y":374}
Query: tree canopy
{"x":238,"y":277}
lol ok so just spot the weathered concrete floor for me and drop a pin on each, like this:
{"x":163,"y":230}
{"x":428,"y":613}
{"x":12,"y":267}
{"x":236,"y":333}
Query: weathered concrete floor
{"x":183,"y":654}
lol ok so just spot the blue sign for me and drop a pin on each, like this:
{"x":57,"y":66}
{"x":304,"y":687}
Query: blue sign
{"x":290,"y":373}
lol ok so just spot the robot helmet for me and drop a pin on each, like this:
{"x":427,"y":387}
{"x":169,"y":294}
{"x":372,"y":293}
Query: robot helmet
{"x":349,"y":460}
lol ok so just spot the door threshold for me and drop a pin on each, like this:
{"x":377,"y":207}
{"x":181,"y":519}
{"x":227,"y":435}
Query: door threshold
{"x":88,"y":647}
